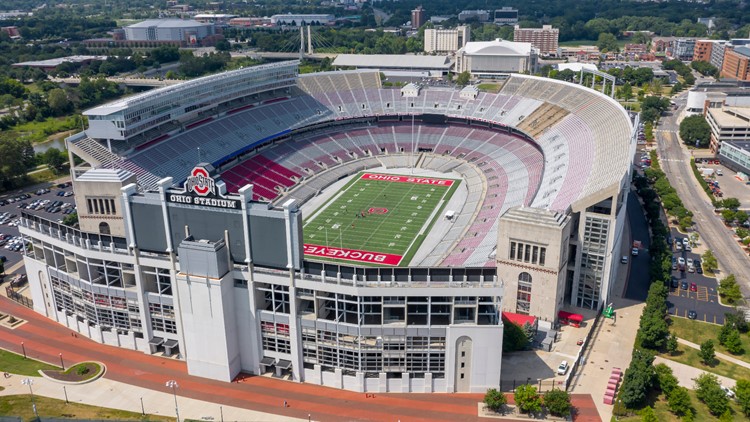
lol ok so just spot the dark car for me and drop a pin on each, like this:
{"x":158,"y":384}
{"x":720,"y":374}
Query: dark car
{"x":692,"y":314}
{"x":675,"y":283}
{"x":699,"y":269}
{"x":684,"y":285}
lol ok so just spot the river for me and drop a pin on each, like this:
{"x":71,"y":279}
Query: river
{"x":44,"y":146}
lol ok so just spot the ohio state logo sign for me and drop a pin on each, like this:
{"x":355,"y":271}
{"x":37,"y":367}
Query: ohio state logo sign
{"x":200,"y":183}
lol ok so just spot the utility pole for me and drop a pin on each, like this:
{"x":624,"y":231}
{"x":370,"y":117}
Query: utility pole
{"x":301,"y":42}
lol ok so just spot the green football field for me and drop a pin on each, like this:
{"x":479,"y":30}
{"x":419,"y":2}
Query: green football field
{"x":377,"y":219}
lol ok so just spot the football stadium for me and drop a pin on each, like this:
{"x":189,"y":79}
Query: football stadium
{"x":323,"y":228}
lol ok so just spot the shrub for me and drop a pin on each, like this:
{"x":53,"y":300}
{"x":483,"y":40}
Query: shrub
{"x":557,"y":402}
{"x":82,"y":370}
{"x":495,"y":400}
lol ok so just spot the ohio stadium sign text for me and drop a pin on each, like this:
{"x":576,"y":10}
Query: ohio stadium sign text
{"x":200,"y":189}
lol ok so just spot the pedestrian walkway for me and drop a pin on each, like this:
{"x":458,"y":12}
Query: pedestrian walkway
{"x":686,"y":374}
{"x":139,"y":375}
{"x":718,"y":355}
{"x":129,"y":397}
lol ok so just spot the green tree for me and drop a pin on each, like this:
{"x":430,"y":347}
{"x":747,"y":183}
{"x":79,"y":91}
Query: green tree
{"x":729,"y":290}
{"x":728,"y":216}
{"x":58,"y":101}
{"x":709,"y":261}
{"x":679,"y":401}
{"x":71,"y":219}
{"x":708,"y":390}
{"x":557,"y":402}
{"x":54,"y":159}
{"x":463,"y":78}
{"x":695,"y":129}
{"x":707,"y":352}
{"x":16,"y":157}
{"x":514,"y":338}
{"x":733,"y":343}
{"x":742,"y":390}
{"x":638,"y":379}
{"x":529,"y":332}
{"x":672,"y":344}
{"x":626,"y":92}
{"x":730,"y":203}
{"x":667,"y":380}
{"x":648,"y":415}
{"x":527,"y":399}
{"x":607,"y":43}
{"x":495,"y":400}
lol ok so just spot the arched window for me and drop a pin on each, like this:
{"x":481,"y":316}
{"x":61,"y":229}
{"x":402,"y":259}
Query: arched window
{"x":104,"y":228}
{"x":523,"y":295}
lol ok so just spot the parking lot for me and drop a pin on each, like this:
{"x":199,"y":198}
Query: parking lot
{"x":731,"y":186}
{"x":11,"y":207}
{"x":693,"y":291}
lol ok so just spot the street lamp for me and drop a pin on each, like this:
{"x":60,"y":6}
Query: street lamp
{"x":62,"y":364}
{"x":173,"y":385}
{"x":24,"y":350}
{"x":29,"y":382}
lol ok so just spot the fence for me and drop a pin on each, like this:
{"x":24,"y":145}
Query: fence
{"x":540,"y":384}
{"x":18,"y":297}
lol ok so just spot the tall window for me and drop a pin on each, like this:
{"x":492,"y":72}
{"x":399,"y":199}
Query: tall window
{"x":523,"y":296}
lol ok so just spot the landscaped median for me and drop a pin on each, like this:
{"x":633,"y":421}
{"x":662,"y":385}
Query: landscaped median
{"x":16,"y":364}
{"x":79,"y":373}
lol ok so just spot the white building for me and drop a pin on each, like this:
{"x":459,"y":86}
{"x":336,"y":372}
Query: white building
{"x":302,"y":19}
{"x":446,"y":40}
{"x":188,"y":31}
{"x":494,"y":58}
{"x":479,"y":15}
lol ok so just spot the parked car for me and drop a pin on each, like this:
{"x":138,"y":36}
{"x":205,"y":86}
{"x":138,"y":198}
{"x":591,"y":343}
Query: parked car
{"x":692,"y":314}
{"x":684,"y":285}
{"x":727,"y":391}
{"x":634,"y":252}
{"x":563,"y":368}
{"x":693,"y":287}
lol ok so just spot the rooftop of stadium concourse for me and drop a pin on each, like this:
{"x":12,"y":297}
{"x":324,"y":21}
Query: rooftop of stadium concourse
{"x":393,"y":61}
{"x":124,"y":103}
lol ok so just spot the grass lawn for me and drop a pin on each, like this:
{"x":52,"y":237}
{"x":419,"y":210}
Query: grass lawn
{"x":576,"y":43}
{"x":689,"y":356}
{"x":16,"y":364}
{"x":661,"y":408}
{"x":698,"y":332}
{"x":53,"y":408}
{"x":377,"y":219}
{"x":41,"y":131}
{"x":631,"y":105}
{"x":489,"y":87}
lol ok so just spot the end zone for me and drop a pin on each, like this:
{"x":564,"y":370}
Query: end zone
{"x":407,"y":179}
{"x":353,"y":255}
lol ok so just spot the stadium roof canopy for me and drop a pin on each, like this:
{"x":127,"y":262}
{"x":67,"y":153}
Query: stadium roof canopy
{"x":168,"y":23}
{"x":60,"y":60}
{"x":393,"y":61}
{"x":497,"y":48}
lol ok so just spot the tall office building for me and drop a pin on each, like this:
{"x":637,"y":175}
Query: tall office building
{"x":417,"y":17}
{"x":445,"y":40}
{"x":544,"y":38}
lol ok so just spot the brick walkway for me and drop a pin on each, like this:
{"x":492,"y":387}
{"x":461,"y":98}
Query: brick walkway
{"x":44,"y":340}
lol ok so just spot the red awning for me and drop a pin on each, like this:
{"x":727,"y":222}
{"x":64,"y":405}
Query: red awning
{"x":519,"y":319}
{"x":570,"y":316}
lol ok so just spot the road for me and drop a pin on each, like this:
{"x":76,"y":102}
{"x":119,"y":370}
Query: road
{"x":675,"y":161}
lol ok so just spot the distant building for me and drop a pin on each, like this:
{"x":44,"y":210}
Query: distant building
{"x":703,"y":50}
{"x":728,"y":124}
{"x":544,"y":39}
{"x":426,"y":65}
{"x":188,"y":32}
{"x":12,"y":31}
{"x":709,"y":22}
{"x":495,"y":58}
{"x":737,"y":64}
{"x":684,"y":48}
{"x":417,"y":17}
{"x":506,"y":16}
{"x":251,"y":21}
{"x":302,"y":19}
{"x":581,"y":52}
{"x":736,"y":156}
{"x":51,"y":64}
{"x":220,"y":19}
{"x":446,"y":40}
{"x":480,"y":15}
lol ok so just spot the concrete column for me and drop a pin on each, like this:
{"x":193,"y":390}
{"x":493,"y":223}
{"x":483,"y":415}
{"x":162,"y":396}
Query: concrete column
{"x":405,"y":383}
{"x":383,"y":383}
{"x":339,"y":382}
{"x":428,"y":382}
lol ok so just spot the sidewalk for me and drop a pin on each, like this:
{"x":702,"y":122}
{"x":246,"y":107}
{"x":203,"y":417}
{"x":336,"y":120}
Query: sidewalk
{"x":718,"y":355}
{"x":116,"y":395}
{"x":686,"y":374}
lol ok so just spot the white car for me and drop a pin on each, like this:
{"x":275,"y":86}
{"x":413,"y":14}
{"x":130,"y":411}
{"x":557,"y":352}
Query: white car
{"x":728,"y":391}
{"x":563,"y":368}
{"x":634,"y":252}
{"x":624,"y":259}
{"x":690,"y":261}
{"x":681,"y":261}
{"x":685,"y":241}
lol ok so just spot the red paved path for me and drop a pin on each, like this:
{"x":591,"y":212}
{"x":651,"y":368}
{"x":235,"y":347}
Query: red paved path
{"x":44,"y":339}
